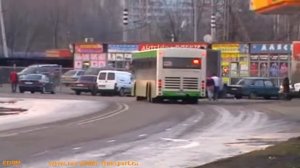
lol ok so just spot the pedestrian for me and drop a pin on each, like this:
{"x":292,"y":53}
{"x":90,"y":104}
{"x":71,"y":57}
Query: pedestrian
{"x":14,"y":79}
{"x":210,"y":88}
{"x":217,"y":85}
{"x":286,"y":88}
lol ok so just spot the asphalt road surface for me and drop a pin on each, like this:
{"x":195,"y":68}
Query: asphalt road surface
{"x":154,"y":135}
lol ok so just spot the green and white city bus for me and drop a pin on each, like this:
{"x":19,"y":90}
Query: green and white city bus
{"x":170,"y":73}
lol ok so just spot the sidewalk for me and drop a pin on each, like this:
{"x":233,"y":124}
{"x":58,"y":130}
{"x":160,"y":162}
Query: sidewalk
{"x":40,"y":111}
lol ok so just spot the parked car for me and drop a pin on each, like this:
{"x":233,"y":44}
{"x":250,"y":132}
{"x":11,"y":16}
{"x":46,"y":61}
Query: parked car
{"x":116,"y":82}
{"x":36,"y":83}
{"x":85,"y":83}
{"x":254,"y":87}
{"x":40,"y":69}
{"x":71,"y":76}
{"x":297,"y":87}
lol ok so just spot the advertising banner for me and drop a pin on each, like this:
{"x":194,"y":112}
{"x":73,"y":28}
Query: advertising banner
{"x":101,"y":63}
{"x":296,"y":51}
{"x":264,"y":57}
{"x":283,"y":69}
{"x":225,"y":69}
{"x":126,"y":48}
{"x":264,"y":69}
{"x":276,"y":48}
{"x":274,"y":69}
{"x":149,"y":46}
{"x":234,"y":69}
{"x":296,"y":62}
{"x":94,"y":63}
{"x":77,"y":64}
{"x":244,"y":69}
{"x":88,"y":48}
{"x":227,"y":48}
{"x":254,"y":58}
{"x":254,"y":69}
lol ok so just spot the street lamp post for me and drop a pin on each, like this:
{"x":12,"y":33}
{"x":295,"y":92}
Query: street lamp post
{"x":213,"y":21}
{"x":125,"y":21}
{"x":4,"y":44}
{"x":195,"y":20}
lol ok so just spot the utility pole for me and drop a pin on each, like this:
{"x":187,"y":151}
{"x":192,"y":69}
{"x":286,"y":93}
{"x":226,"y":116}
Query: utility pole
{"x":213,"y":21}
{"x":125,"y":21}
{"x":195,"y":14}
{"x":4,"y":44}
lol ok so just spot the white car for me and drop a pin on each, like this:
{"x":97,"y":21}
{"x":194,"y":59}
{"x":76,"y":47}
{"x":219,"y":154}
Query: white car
{"x":117,"y":82}
{"x":297,"y":87}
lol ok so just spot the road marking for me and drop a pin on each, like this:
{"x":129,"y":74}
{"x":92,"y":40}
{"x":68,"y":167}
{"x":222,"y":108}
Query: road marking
{"x":175,"y":140}
{"x":8,"y":135}
{"x":22,"y":132}
{"x":97,"y":155}
{"x":76,"y":148}
{"x":142,"y":135}
{"x":101,"y":115}
{"x":110,"y":141}
{"x":190,"y":145}
{"x":123,"y":108}
{"x":32,"y":130}
{"x":40,"y":153}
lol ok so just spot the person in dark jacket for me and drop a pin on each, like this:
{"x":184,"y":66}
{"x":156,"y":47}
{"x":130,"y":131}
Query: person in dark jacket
{"x":286,"y":88}
{"x":286,"y":85}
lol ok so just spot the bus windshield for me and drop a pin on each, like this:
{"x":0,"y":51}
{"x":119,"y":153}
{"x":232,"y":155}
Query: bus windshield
{"x":181,"y":63}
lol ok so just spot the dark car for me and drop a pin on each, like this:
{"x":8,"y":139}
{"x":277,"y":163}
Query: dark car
{"x":254,"y":87}
{"x":85,"y":83}
{"x":36,"y":83}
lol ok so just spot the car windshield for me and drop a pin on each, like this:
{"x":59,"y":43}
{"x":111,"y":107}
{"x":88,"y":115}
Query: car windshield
{"x":92,"y":71}
{"x":70,"y":73}
{"x":87,"y":78}
{"x":245,"y":82}
{"x":29,"y":70}
{"x":33,"y":77}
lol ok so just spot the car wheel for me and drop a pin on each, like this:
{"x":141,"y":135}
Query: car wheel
{"x":139,"y":98}
{"x":94,"y":92}
{"x":43,"y":90}
{"x":77,"y":92}
{"x":252,"y":96}
{"x":238,"y":96}
{"x":21,"y":91}
{"x":32,"y":92}
{"x":122,"y":92}
{"x":267,"y":97}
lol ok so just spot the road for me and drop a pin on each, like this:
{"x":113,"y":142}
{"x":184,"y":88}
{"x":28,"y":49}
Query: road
{"x":159,"y":135}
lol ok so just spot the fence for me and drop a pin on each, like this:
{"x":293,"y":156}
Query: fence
{"x":5,"y":72}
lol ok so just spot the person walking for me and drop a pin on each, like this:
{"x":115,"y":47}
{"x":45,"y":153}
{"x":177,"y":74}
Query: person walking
{"x":286,"y":88}
{"x":217,"y":85}
{"x":13,"y":80}
{"x":210,"y":88}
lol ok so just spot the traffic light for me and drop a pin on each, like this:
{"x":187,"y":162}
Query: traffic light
{"x":125,"y":16}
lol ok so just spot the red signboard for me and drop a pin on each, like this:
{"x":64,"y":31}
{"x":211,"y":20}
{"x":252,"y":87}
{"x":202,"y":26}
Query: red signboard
{"x":58,"y":53}
{"x":88,"y":48}
{"x":150,"y":46}
{"x":296,"y":50}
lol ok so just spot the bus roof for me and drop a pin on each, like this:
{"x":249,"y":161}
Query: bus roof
{"x":153,"y":53}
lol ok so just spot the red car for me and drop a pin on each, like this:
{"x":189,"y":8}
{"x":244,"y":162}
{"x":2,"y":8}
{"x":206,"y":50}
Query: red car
{"x":85,"y":83}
